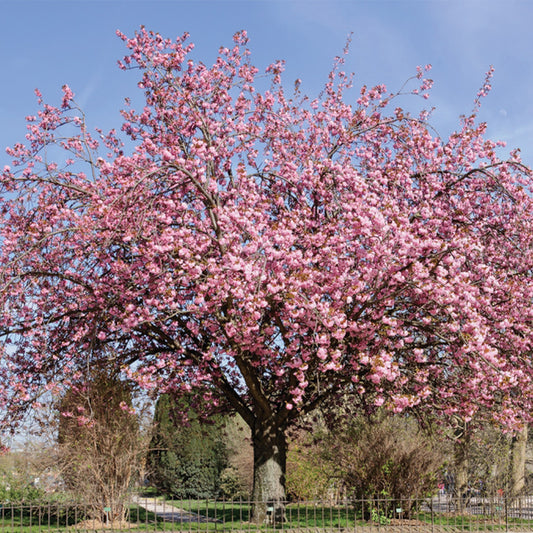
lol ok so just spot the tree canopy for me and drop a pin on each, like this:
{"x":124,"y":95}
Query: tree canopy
{"x":267,"y":250}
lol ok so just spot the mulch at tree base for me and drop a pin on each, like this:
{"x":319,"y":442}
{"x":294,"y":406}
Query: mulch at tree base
{"x":98,"y":525}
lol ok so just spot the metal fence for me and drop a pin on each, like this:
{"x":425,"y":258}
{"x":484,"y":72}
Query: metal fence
{"x":436,"y":515}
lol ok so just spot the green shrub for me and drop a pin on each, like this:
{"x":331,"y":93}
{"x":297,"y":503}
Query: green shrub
{"x":231,"y":485}
{"x":309,"y":477}
{"x":19,"y":488}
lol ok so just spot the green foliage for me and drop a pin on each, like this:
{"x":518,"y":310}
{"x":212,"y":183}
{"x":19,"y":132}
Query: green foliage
{"x":309,"y":477}
{"x":232,"y":486}
{"x":19,"y":487}
{"x":379,"y":517}
{"x":186,"y":458}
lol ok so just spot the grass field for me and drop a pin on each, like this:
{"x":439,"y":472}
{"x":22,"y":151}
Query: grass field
{"x":220,"y":516}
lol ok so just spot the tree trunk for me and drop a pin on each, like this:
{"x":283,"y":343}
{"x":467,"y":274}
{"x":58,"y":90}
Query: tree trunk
{"x":270,"y":458}
{"x":460,"y":450}
{"x":518,"y":463}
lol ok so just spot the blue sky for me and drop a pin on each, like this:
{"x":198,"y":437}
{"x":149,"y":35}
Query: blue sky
{"x":48,"y":43}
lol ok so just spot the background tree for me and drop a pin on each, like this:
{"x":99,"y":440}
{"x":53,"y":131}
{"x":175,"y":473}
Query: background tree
{"x":100,"y":445}
{"x":23,"y":476}
{"x":186,"y":455}
{"x":462,"y":443}
{"x":487,"y":460}
{"x":237,"y":479}
{"x":267,"y":251}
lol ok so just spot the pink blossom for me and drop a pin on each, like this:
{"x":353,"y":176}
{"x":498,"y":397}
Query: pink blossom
{"x":261,"y":253}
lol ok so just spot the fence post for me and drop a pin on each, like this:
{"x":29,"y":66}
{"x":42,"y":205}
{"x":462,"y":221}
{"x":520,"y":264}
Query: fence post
{"x":506,"y":513}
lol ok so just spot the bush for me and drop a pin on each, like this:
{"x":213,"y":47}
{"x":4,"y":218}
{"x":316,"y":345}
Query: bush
{"x":99,"y":442}
{"x":232,"y":486}
{"x":309,"y":477}
{"x":386,"y":457}
{"x":378,"y":457}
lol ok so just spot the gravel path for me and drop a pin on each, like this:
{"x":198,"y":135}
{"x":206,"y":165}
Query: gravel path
{"x":168,"y":512}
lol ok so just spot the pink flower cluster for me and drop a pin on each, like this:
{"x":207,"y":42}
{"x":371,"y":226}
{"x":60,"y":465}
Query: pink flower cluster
{"x":267,"y":250}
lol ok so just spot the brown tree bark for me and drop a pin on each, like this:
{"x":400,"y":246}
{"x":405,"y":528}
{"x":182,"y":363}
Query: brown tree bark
{"x":270,"y":457}
{"x":518,"y":463}
{"x":460,"y":451}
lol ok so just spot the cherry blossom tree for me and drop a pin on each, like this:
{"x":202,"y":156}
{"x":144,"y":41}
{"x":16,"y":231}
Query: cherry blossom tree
{"x":267,"y":251}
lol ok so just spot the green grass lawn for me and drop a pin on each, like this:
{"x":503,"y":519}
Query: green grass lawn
{"x":233,"y":515}
{"x":211,"y":516}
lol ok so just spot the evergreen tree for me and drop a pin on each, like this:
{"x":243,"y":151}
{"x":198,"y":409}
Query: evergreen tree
{"x":187,"y":455}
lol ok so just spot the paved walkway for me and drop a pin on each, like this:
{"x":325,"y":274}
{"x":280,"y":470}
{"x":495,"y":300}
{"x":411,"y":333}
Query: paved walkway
{"x":168,"y":512}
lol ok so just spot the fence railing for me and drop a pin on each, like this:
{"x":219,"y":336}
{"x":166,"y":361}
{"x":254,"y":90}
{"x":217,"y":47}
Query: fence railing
{"x":439,"y":514}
